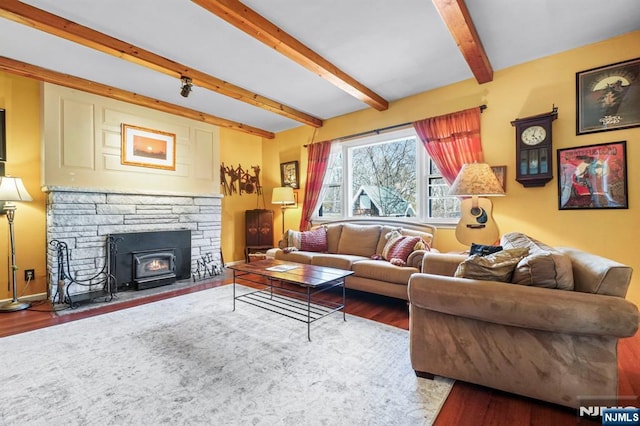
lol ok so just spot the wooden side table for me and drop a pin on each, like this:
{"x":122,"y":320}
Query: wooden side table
{"x":258,"y":232}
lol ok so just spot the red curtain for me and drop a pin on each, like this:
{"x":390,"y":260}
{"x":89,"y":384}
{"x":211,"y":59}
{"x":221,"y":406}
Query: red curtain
{"x":318,"y":160}
{"x":452,"y":140}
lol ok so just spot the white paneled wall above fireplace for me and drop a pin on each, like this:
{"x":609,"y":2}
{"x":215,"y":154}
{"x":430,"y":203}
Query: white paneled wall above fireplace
{"x":82,"y":146}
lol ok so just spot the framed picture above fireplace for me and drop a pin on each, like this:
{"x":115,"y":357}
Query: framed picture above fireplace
{"x":148,"y":148}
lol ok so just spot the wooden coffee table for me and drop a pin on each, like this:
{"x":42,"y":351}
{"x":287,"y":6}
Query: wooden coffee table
{"x":290,"y":289}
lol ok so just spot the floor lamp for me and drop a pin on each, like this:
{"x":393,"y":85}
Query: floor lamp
{"x":12,"y":189}
{"x":283,"y":196}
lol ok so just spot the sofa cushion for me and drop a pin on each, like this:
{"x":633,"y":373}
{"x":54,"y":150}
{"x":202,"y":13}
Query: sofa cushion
{"x":498,"y":266}
{"x":543,"y":267}
{"x":339,"y":261}
{"x":383,"y":271}
{"x":333,"y":237}
{"x":360,"y":240}
{"x":295,"y":256}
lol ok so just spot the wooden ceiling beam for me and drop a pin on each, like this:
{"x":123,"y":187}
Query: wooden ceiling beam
{"x":53,"y":24}
{"x":456,"y":16}
{"x":42,"y":74}
{"x":258,"y":27}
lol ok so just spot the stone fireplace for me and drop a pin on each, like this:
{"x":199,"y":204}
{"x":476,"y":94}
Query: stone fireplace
{"x":84,"y":219}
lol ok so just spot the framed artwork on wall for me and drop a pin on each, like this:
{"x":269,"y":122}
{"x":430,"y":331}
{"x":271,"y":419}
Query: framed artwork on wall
{"x":3,"y":137}
{"x":289,"y":174}
{"x":593,"y":177}
{"x":148,"y":148}
{"x":608,"y":97}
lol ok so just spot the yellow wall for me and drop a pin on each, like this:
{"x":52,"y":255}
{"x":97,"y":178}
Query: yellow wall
{"x":245,"y":150}
{"x":520,"y":91}
{"x":527,"y":89}
{"x":20,"y":97}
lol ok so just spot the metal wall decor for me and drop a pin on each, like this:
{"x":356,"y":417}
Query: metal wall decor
{"x":236,"y":180}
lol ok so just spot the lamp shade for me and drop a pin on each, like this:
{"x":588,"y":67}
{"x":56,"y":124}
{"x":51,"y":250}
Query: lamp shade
{"x":283,"y":195}
{"x":476,"y":179}
{"x":12,"y":189}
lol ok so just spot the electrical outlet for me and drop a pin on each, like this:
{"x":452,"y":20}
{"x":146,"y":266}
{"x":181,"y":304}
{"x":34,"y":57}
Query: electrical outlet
{"x":29,"y":274}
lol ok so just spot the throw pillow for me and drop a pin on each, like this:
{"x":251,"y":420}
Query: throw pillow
{"x":293,"y":238}
{"x":314,"y":240}
{"x":483,"y":250}
{"x":494,"y":267}
{"x":392,"y":238}
{"x":422,"y":245}
{"x":402,"y":248}
{"x":544,"y":266}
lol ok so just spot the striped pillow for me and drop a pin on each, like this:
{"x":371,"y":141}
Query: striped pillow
{"x":402,"y":248}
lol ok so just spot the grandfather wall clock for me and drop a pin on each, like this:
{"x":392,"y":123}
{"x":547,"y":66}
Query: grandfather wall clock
{"x":534,"y":149}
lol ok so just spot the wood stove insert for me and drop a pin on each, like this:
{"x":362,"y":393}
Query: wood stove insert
{"x":150,"y":259}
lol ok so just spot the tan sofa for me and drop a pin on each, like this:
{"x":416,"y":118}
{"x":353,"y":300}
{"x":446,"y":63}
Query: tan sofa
{"x":350,"y":245}
{"x":550,"y":344}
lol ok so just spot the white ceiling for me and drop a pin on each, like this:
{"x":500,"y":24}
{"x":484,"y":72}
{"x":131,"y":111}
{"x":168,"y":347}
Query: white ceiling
{"x":396,"y":48}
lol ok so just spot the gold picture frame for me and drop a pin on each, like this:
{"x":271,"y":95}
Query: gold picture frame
{"x":145,"y":147}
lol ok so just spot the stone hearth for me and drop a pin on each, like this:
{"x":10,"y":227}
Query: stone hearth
{"x":84,"y":218}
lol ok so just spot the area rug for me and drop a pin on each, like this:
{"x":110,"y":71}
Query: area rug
{"x":192,"y":360}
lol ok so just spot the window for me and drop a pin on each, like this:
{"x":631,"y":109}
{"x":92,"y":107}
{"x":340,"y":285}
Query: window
{"x":387,"y":175}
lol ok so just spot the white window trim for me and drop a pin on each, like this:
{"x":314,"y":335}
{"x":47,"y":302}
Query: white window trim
{"x":421,"y":174}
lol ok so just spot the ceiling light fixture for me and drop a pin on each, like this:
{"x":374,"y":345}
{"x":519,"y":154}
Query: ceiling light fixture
{"x":186,"y":86}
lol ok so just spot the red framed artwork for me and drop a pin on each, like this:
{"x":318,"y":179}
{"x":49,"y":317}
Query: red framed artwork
{"x":593,"y":177}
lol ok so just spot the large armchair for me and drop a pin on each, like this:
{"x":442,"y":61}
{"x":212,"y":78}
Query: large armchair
{"x":550,"y":344}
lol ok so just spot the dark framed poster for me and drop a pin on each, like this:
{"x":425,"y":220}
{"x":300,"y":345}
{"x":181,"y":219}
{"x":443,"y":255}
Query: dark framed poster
{"x":608,"y":97}
{"x":3,"y":137}
{"x":289,"y":175}
{"x":593,"y":177}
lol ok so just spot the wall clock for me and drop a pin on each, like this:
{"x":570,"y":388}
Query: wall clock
{"x":534,"y":149}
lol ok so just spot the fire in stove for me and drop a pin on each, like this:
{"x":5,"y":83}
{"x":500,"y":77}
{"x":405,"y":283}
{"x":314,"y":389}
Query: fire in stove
{"x":157,"y":265}
{"x":152,"y":268}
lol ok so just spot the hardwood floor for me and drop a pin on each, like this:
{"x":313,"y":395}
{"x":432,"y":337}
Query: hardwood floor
{"x":467,"y":404}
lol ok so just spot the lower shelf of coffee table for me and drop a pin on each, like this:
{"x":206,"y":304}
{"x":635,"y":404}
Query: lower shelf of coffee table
{"x":289,"y":305}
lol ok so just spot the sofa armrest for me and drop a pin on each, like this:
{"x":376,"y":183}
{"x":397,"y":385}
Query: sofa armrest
{"x":441,"y":263}
{"x":415,"y":259}
{"x":536,"y":308}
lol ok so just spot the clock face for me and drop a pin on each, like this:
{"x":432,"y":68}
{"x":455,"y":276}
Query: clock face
{"x":533,"y":135}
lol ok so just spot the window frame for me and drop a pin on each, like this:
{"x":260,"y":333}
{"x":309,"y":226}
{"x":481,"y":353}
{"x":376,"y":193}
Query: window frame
{"x":422,"y":178}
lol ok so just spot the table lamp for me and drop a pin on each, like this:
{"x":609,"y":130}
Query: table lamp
{"x":476,"y":223}
{"x":283,"y":196}
{"x":12,"y":189}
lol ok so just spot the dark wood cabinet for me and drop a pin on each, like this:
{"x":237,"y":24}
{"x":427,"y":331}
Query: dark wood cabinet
{"x":258,"y":231}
